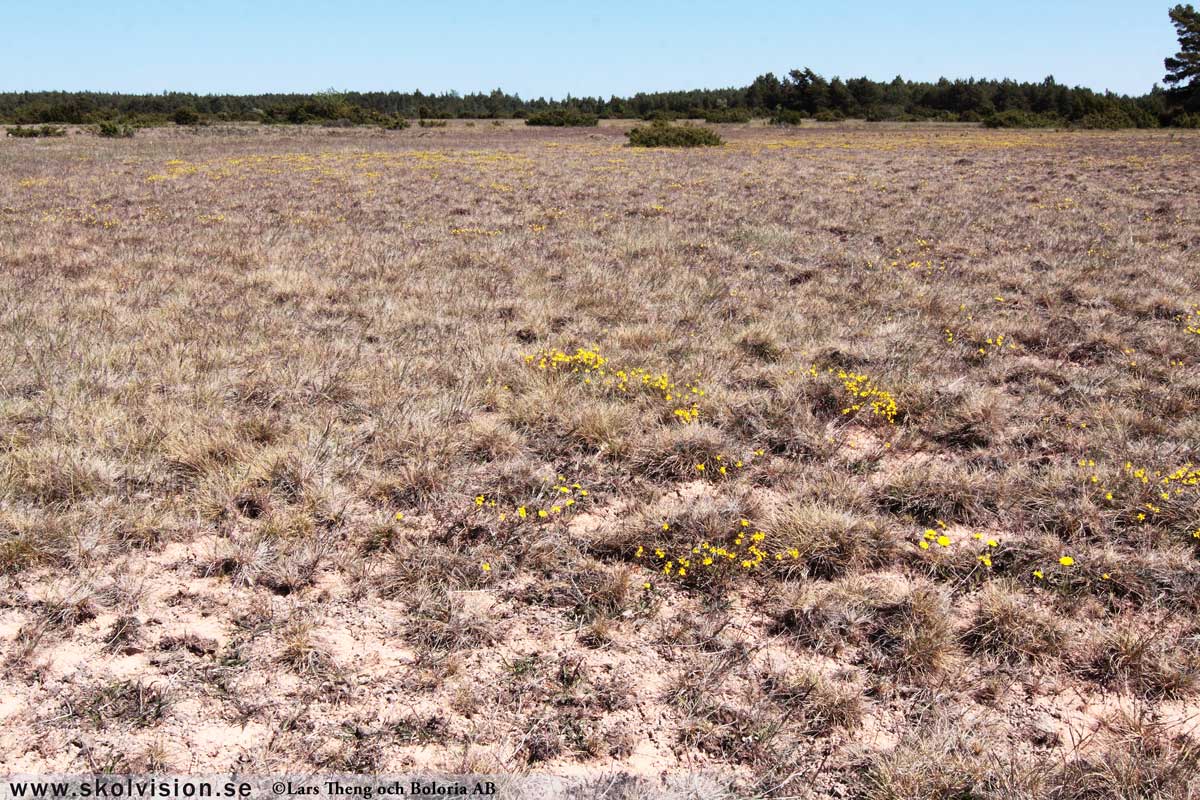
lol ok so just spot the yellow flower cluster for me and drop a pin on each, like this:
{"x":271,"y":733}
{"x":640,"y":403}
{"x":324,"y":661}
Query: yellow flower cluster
{"x":941,"y":537}
{"x":1156,"y":486}
{"x":745,"y":552}
{"x":922,"y":259}
{"x":597,"y":369}
{"x":1064,"y":561}
{"x":1192,"y":321}
{"x":721,"y":466}
{"x":994,"y":343}
{"x":566,"y":499}
{"x":862,"y":391}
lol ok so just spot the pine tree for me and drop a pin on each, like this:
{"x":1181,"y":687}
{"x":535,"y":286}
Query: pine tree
{"x":1184,"y":68}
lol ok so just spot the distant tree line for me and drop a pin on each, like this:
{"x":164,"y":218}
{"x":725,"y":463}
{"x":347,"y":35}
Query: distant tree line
{"x":798,"y":95}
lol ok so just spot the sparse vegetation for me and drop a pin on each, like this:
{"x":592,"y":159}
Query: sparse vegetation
{"x":847,"y":461}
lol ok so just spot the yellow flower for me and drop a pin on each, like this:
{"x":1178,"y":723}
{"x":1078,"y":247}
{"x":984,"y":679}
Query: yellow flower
{"x":1037,"y":573}
{"x":666,"y":526}
{"x":542,"y":513}
{"x":486,"y":567}
{"x":521,"y":512}
{"x":1066,"y":561}
{"x":700,"y":468}
{"x":944,"y":541}
{"x":399,"y":515}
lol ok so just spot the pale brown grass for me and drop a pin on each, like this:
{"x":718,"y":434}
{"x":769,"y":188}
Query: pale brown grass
{"x":229,"y":358}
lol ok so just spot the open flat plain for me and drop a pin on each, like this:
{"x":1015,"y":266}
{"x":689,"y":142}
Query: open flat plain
{"x":835,"y":461}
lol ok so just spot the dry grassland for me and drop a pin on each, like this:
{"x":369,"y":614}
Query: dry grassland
{"x":853,"y":462}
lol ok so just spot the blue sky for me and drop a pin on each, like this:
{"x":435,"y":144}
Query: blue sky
{"x":548,"y":49}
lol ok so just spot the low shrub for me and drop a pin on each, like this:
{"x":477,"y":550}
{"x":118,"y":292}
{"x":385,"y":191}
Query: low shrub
{"x":786,"y":116}
{"x":432,"y":123}
{"x":186,"y":115}
{"x":663,"y":134}
{"x":1110,"y":120}
{"x":115,"y":130}
{"x":563,"y":118}
{"x":1021,"y":119}
{"x":36,"y":133}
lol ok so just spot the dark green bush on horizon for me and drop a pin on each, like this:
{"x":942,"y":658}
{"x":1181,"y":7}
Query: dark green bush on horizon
{"x":36,"y":133}
{"x":664,"y":134}
{"x":562,"y":118}
{"x":1021,"y":119}
{"x":787,"y":116}
{"x":727,"y":115}
{"x":115,"y":130}
{"x":186,"y":115}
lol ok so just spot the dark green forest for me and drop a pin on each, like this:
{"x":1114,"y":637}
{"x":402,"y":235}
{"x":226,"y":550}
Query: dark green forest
{"x":798,"y":95}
